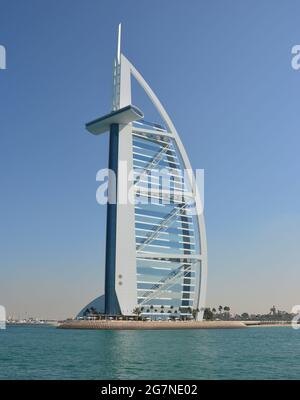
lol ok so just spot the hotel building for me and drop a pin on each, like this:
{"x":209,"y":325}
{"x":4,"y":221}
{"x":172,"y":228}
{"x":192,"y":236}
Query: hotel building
{"x":156,"y":256}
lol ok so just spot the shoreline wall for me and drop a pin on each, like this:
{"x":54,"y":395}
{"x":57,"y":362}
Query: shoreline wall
{"x":150,"y":325}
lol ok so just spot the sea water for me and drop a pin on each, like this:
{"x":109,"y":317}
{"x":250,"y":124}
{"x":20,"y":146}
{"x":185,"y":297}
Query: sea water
{"x":44,"y":352}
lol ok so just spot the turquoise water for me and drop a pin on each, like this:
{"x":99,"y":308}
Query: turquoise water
{"x":48,"y":353}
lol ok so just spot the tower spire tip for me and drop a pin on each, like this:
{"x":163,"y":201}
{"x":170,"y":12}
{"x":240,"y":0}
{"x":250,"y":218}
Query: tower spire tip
{"x":119,"y":43}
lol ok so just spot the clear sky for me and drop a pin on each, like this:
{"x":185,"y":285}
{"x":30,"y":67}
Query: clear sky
{"x":223,"y":72}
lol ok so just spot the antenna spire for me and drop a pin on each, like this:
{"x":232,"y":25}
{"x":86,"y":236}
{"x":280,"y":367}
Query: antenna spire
{"x":119,"y":44}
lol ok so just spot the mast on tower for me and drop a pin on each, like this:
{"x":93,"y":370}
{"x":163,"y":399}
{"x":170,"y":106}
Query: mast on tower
{"x":117,"y":74}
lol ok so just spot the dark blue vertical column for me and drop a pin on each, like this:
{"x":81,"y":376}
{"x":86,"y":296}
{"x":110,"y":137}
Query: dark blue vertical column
{"x":111,"y":301}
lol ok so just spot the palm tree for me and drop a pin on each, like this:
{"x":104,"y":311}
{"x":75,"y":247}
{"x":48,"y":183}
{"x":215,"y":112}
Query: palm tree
{"x":93,"y":310}
{"x":245,"y":315}
{"x":220,"y":309}
{"x":227,"y":309}
{"x":208,"y":315}
{"x":273,"y":310}
{"x":214,"y":310}
{"x":195,"y":313}
{"x":137,"y":311}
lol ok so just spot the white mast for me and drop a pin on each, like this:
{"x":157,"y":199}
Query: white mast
{"x":119,"y":44}
{"x":116,"y":73}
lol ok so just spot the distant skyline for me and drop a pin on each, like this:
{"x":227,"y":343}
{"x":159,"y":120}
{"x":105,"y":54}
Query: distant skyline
{"x":237,"y":115}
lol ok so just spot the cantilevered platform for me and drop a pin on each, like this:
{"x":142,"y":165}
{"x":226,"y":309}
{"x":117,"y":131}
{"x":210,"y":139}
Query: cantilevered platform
{"x":124,"y":115}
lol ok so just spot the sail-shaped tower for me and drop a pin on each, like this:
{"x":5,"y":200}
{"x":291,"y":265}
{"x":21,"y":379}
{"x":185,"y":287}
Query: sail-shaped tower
{"x":156,"y":252}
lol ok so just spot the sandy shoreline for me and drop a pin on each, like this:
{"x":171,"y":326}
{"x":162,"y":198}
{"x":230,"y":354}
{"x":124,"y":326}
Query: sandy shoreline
{"x":150,"y":325}
{"x":163,"y":325}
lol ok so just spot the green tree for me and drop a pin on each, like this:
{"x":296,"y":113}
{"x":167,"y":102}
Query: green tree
{"x":195,"y":313}
{"x":273,"y":310}
{"x":245,"y":316}
{"x":208,"y":315}
{"x":137,"y":311}
{"x":93,"y":311}
{"x":226,"y":310}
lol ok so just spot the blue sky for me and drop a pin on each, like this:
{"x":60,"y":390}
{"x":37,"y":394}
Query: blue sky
{"x":223,"y":72}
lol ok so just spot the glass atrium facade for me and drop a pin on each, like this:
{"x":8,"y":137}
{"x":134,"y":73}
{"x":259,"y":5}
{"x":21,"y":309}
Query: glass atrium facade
{"x":167,"y":232}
